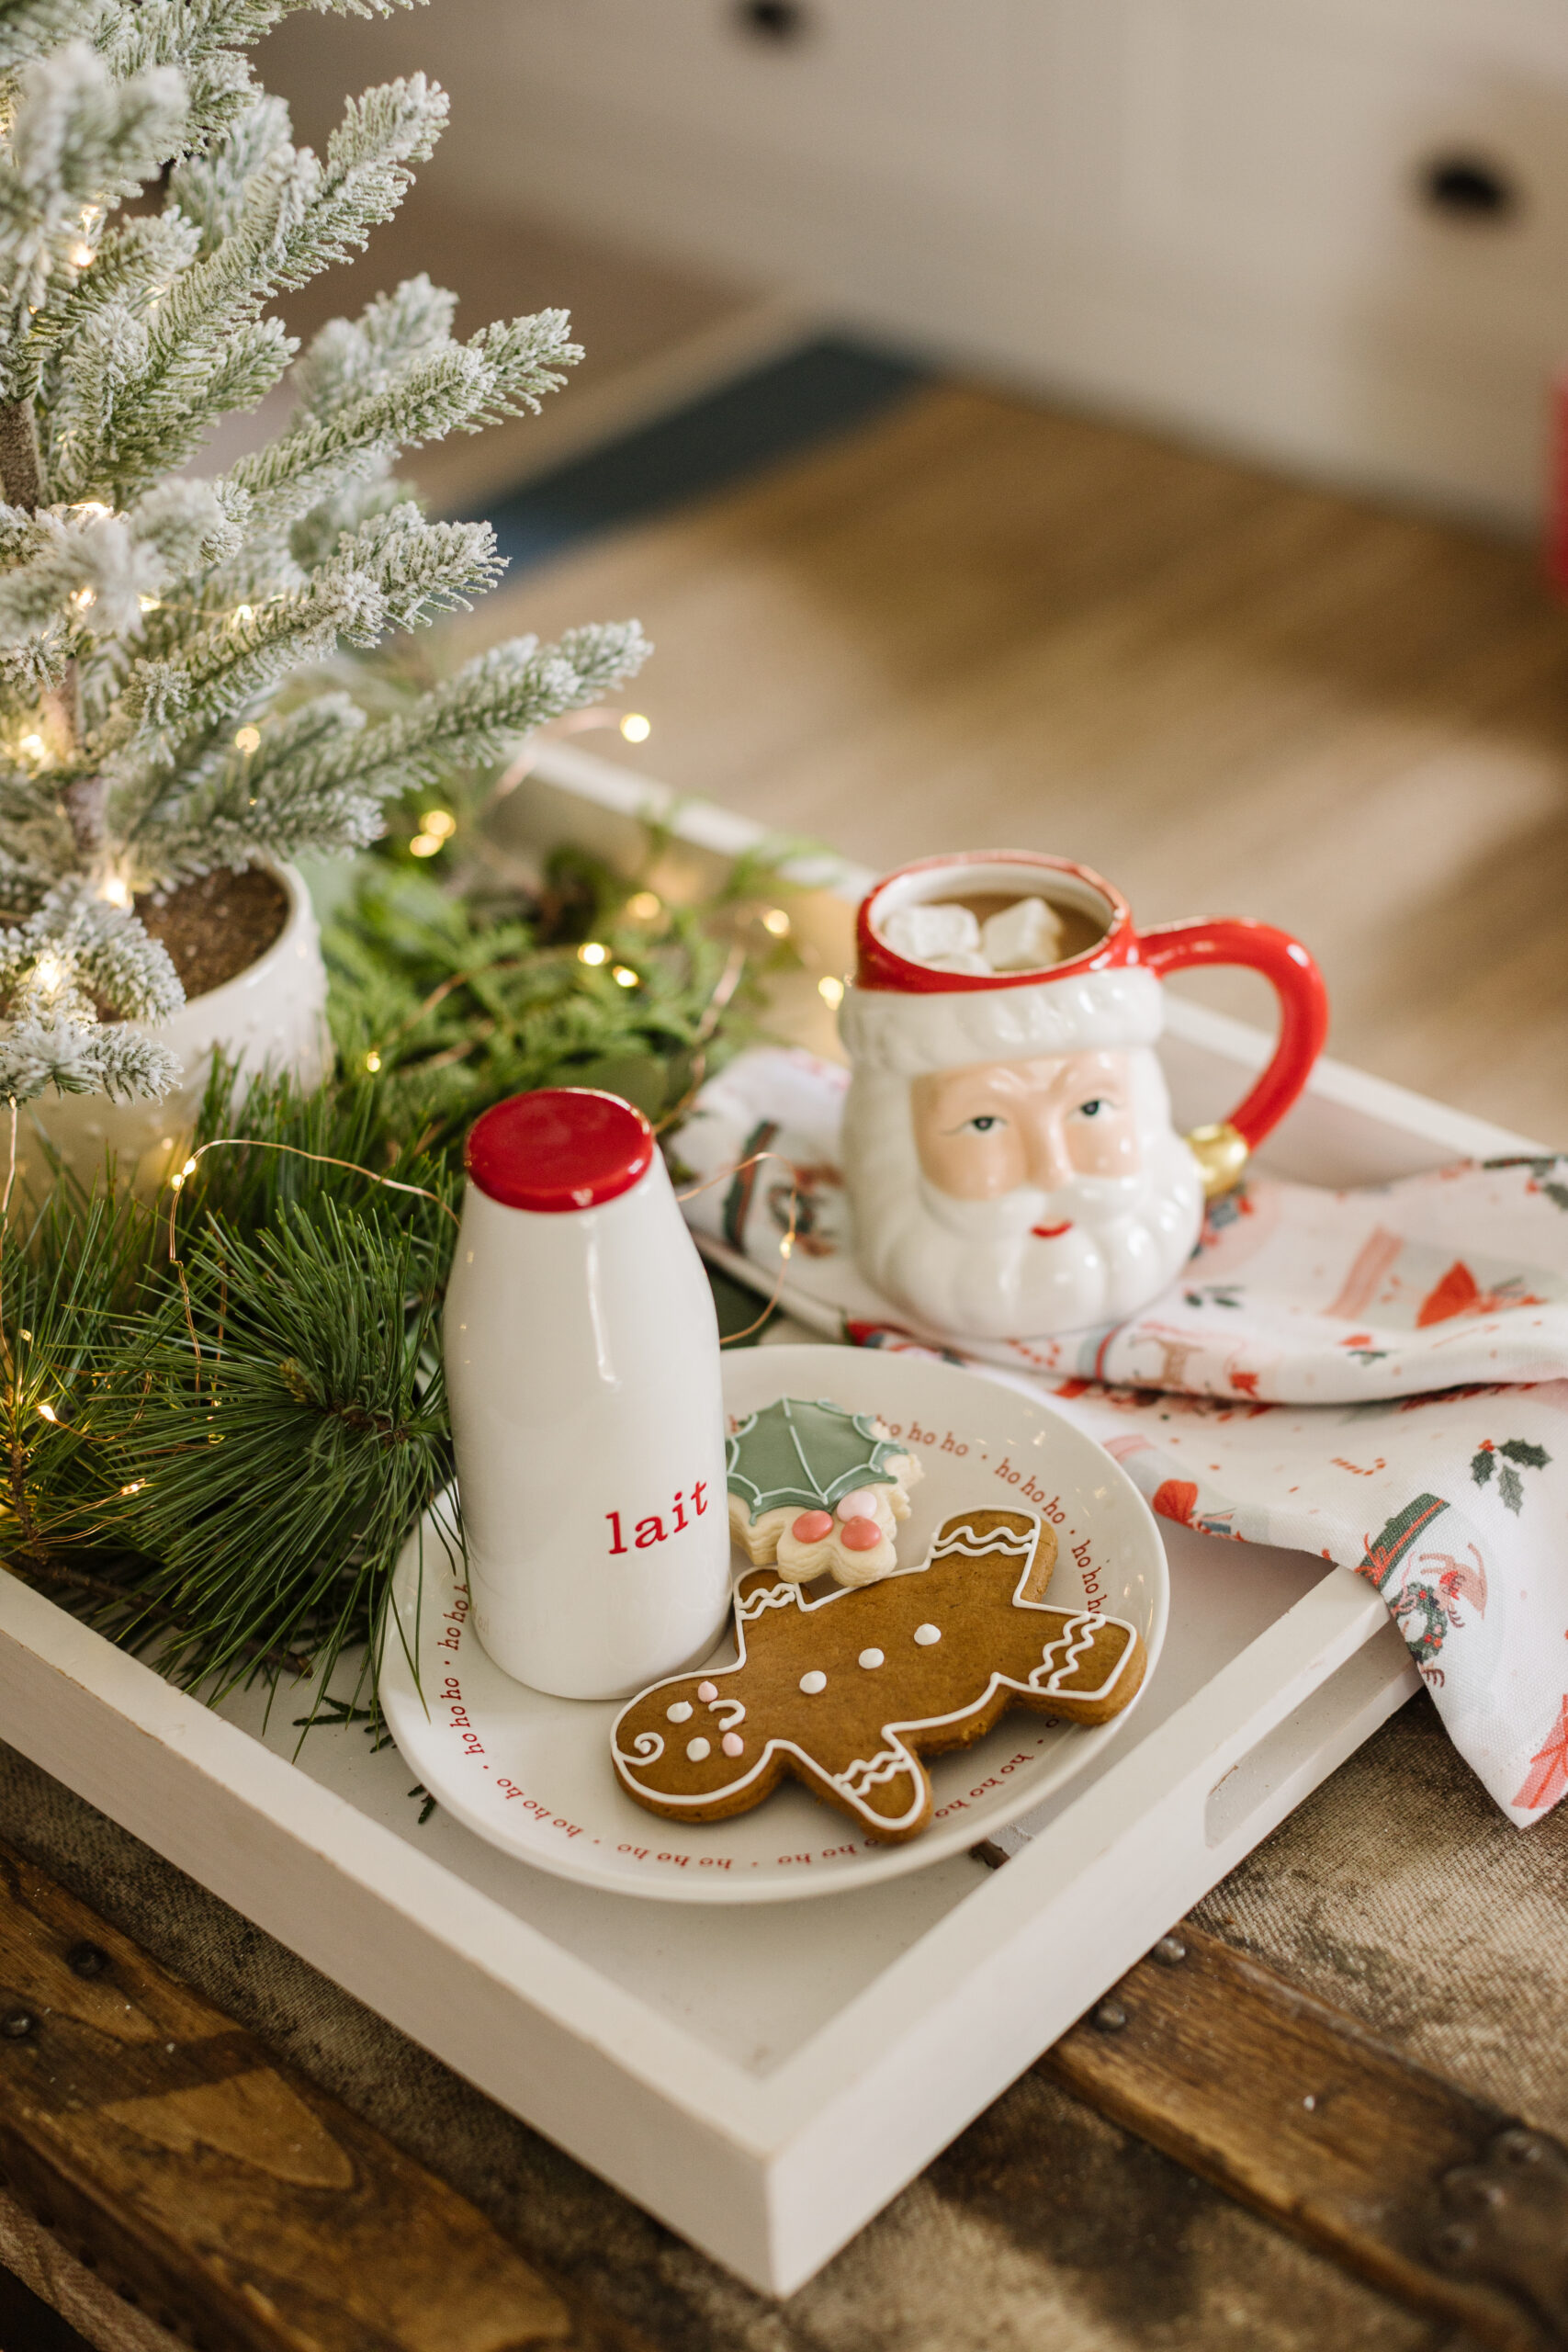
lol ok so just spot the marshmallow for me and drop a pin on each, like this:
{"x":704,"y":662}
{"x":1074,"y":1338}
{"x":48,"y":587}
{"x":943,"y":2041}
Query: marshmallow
{"x":923,"y":934}
{"x":1024,"y":937}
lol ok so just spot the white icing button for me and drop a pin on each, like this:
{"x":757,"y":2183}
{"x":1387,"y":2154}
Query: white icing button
{"x":813,"y":1682}
{"x":679,"y":1713}
{"x":732,"y":1744}
{"x":927,"y":1635}
{"x":707,"y":1691}
{"x":696,"y":1750}
{"x":871,"y":1658}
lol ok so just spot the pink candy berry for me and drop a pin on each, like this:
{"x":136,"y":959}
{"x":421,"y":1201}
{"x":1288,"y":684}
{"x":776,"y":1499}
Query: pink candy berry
{"x":862,"y":1504}
{"x":860,"y":1536}
{"x":811,"y":1527}
{"x":732,"y":1744}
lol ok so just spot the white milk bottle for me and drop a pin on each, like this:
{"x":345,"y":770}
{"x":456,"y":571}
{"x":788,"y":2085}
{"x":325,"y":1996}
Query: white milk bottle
{"x":583,"y":1365}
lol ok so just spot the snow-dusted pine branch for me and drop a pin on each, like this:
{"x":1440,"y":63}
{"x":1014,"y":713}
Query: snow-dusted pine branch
{"x":148,"y":620}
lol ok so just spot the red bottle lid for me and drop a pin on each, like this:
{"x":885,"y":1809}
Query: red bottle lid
{"x":561,"y":1147}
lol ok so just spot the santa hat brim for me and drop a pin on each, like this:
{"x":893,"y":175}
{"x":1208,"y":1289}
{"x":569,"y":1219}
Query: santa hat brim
{"x":911,"y":1034}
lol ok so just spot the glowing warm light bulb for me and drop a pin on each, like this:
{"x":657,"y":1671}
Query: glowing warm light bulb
{"x":644,"y":905}
{"x":592,"y":951}
{"x":47,"y":1413}
{"x":636,"y":727}
{"x":85,"y":599}
{"x":189,"y":1167}
{"x":372,"y":1062}
{"x":248,"y":740}
{"x":776,"y":921}
{"x":424,"y":845}
{"x":135,"y":1487}
{"x":242,"y":616}
{"x":439,"y":822}
{"x":116,"y":890}
{"x":831,"y":991}
{"x":92,"y":509}
{"x":623,"y":977}
{"x":81,"y":257}
{"x":148,"y":604}
{"x":34,"y":746}
{"x":48,"y":972}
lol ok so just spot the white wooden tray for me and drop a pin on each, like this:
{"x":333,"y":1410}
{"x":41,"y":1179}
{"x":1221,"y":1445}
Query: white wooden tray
{"x":764,"y":2079}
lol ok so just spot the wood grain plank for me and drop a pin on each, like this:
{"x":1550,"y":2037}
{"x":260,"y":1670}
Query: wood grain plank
{"x":1444,"y":2202}
{"x":223,"y":2190}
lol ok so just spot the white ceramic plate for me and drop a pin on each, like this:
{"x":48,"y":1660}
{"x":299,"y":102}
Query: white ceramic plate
{"x":534,"y":1775}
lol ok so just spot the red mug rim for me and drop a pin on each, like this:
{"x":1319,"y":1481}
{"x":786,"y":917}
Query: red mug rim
{"x":877,"y":966}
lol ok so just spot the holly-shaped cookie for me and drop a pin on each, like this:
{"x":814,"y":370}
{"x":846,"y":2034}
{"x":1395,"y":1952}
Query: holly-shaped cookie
{"x":848,"y":1691}
{"x":818,"y":1490}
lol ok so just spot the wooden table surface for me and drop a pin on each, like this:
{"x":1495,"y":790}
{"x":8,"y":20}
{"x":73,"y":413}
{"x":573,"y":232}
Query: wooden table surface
{"x":1227,"y":2153}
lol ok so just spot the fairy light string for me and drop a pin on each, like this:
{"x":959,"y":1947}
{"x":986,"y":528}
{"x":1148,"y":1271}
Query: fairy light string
{"x":422,"y":1191}
{"x":786,"y":1245}
{"x":259,"y":1143}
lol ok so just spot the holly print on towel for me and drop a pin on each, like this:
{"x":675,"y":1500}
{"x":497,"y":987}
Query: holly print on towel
{"x":1513,"y":1454}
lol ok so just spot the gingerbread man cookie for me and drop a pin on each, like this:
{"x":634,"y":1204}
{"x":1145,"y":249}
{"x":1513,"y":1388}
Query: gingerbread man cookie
{"x":818,"y":1491}
{"x":848,"y":1691}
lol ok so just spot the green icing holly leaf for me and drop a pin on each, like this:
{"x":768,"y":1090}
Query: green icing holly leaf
{"x":804,"y":1455}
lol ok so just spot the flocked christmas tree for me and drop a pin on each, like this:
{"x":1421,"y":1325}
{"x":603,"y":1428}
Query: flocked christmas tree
{"x":148,"y":619}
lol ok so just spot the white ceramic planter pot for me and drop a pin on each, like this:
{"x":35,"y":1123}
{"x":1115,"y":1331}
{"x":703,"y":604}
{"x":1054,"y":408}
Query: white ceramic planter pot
{"x":270,"y":1016}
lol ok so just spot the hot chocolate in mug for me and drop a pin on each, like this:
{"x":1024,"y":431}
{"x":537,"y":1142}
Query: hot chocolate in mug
{"x":1009,"y":1150}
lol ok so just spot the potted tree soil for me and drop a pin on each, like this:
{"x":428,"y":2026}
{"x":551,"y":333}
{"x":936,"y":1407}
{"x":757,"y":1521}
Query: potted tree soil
{"x":155,"y":780}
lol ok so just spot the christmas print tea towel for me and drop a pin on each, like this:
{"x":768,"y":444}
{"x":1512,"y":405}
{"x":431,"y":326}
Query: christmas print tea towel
{"x":1379,"y":1376}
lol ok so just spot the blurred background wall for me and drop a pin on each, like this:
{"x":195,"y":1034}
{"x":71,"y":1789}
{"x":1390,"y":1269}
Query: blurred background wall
{"x":1329,"y":232}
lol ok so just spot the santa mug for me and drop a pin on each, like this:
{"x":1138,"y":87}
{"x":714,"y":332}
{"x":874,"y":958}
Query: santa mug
{"x":1009,"y":1150}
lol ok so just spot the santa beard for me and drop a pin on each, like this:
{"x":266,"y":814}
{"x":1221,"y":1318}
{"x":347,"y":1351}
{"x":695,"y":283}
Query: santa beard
{"x":976,"y":1268}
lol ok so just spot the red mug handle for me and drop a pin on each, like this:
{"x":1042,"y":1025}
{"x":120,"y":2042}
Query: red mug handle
{"x":1285,"y":963}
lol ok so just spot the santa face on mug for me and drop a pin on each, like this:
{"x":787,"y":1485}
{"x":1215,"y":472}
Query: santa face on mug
{"x":1019,"y":1193}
